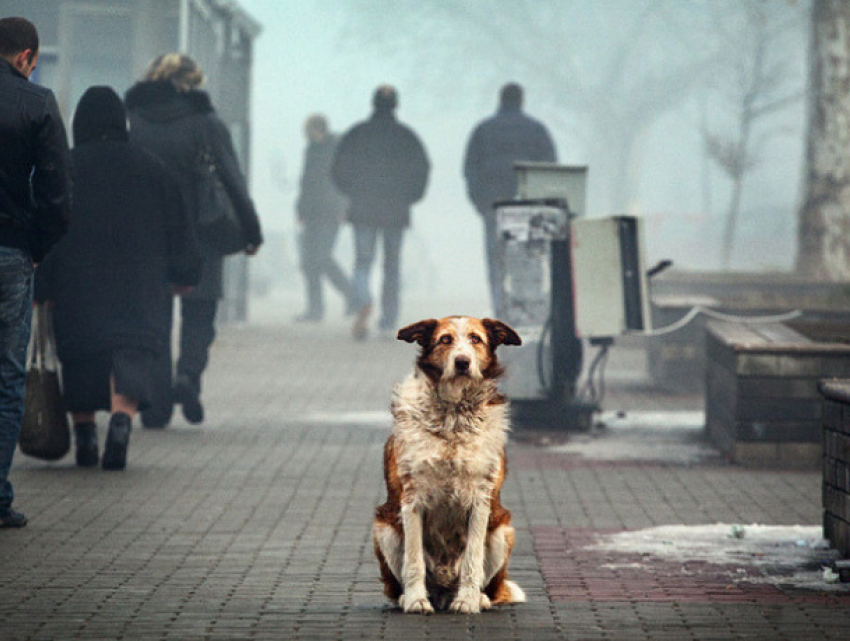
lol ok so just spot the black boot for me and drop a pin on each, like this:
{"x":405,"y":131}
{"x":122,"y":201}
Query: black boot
{"x":188,"y":394}
{"x":117,"y":440}
{"x":85,"y":436}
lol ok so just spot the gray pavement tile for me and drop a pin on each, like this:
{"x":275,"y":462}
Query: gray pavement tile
{"x":256,"y":525}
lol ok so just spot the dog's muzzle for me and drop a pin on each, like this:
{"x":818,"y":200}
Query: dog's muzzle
{"x":462,"y":365}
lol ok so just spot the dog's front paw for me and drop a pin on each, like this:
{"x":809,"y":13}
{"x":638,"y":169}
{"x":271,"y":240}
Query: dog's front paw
{"x":470,"y":602}
{"x":415,"y":603}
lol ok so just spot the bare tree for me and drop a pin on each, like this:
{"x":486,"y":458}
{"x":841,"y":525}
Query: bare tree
{"x":759,"y":87}
{"x":613,"y":68}
{"x":824,"y":231}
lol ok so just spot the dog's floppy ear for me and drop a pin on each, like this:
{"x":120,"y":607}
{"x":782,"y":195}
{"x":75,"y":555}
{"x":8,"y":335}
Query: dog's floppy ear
{"x":418,"y":332}
{"x":500,"y":334}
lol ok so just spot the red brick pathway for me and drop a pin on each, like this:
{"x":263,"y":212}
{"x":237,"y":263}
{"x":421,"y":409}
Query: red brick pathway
{"x":576,"y":572}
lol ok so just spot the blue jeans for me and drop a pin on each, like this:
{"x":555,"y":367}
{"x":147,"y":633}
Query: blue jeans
{"x":365,"y":243}
{"x":16,"y":283}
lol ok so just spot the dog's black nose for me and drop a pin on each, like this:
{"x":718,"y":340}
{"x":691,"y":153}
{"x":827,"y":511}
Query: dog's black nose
{"x":461,"y":363}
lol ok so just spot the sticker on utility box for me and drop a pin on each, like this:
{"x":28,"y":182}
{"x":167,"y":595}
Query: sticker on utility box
{"x":522,"y":224}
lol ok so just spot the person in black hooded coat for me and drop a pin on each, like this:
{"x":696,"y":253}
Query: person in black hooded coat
{"x":171,"y":117}
{"x":110,"y":279}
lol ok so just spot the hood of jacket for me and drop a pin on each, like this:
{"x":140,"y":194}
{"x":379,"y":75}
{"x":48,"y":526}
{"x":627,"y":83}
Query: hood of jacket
{"x":159,"y":101}
{"x":99,"y":116}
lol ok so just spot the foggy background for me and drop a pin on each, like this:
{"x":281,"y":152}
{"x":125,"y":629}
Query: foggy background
{"x":667,"y":101}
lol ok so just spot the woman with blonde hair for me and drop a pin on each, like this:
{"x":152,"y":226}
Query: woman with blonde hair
{"x":172,"y":117}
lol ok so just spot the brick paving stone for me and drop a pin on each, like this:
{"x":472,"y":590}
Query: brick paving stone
{"x":256,"y":525}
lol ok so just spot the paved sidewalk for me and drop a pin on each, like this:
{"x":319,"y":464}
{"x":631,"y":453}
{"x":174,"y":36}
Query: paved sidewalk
{"x":257,"y":524}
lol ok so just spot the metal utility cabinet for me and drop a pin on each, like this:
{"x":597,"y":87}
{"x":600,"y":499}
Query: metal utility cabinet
{"x":610,"y":284}
{"x":565,"y":278}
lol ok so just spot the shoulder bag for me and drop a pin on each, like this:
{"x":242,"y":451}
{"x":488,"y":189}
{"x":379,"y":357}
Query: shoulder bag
{"x":45,"y":432}
{"x":217,"y":223}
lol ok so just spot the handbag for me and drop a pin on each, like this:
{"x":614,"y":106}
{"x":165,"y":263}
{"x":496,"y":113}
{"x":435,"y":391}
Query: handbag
{"x":217,"y":223}
{"x":45,"y":432}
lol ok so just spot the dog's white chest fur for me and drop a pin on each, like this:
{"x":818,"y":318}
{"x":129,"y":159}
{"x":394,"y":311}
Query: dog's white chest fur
{"x":451,"y":452}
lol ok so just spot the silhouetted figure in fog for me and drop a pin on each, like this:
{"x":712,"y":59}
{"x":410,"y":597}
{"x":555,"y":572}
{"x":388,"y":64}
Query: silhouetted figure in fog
{"x":35,"y":198}
{"x":172,"y":117}
{"x":320,"y":208}
{"x":111,"y":278}
{"x":494,"y":146}
{"x":382,"y":167}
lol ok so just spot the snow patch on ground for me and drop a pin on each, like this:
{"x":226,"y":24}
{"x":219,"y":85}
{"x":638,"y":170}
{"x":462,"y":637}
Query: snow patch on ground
{"x":670,"y":437}
{"x":377,"y":419}
{"x":791,"y":556}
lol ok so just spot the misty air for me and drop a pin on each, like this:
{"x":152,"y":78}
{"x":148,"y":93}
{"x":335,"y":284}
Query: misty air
{"x":355,"y":319}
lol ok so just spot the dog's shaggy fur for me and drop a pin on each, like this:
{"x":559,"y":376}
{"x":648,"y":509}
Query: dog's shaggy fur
{"x":443,"y":539}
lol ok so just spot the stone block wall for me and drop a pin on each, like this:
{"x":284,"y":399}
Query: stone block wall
{"x":676,"y":360}
{"x":836,"y":464}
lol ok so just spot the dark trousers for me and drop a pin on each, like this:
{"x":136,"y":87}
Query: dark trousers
{"x":494,"y":259}
{"x":197,"y":333}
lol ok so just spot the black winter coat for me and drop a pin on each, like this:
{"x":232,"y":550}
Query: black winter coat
{"x":493,"y":148}
{"x":176,"y":127}
{"x":319,"y":202}
{"x":35,"y":171}
{"x":110,"y":277}
{"x":382,"y":167}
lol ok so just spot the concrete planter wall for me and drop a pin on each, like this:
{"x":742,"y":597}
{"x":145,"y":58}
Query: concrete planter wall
{"x":763,"y":406}
{"x":677,"y":360}
{"x":836,"y":464}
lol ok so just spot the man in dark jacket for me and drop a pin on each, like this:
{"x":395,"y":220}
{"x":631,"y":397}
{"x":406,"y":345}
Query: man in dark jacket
{"x":35,"y":185}
{"x":172,"y":117}
{"x":493,"y":148}
{"x":382,"y":167}
{"x":320,"y":208}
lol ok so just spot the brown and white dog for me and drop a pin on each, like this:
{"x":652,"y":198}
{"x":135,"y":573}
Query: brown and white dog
{"x":443,"y":539}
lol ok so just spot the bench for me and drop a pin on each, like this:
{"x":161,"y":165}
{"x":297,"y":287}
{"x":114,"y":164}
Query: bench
{"x":762,"y":404}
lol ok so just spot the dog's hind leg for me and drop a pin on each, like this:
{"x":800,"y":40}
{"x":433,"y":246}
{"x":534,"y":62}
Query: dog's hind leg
{"x":500,"y":544}
{"x":389,"y":548}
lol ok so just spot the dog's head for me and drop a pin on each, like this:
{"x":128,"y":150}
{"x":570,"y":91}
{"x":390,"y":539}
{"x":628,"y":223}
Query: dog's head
{"x":459,"y":349}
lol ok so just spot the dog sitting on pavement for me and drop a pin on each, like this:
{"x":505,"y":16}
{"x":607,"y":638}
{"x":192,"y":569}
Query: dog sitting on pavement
{"x":442,"y":538}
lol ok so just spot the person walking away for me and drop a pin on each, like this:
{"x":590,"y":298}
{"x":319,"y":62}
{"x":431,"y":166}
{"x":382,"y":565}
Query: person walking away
{"x":382,"y":167}
{"x":320,"y":209}
{"x":110,"y":279}
{"x":488,"y":167}
{"x":35,"y":188}
{"x":171,"y":116}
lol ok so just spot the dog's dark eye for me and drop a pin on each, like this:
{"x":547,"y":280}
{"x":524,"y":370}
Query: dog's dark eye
{"x":446,"y":339}
{"x":474,"y":338}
